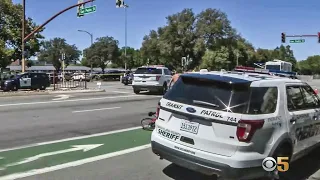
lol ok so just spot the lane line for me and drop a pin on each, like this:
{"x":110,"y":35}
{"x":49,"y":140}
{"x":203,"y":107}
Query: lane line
{"x":71,"y":139}
{"x":74,"y":163}
{"x":72,"y":100}
{"x":124,"y":92}
{"x":100,"y":109}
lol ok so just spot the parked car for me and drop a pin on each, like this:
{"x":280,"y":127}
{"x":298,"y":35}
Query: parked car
{"x":32,"y":81}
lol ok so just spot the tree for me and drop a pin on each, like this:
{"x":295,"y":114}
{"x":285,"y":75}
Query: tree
{"x":103,"y":52}
{"x":53,"y":49}
{"x":29,"y":63}
{"x":216,"y":60}
{"x":209,"y":39}
{"x":10,"y":33}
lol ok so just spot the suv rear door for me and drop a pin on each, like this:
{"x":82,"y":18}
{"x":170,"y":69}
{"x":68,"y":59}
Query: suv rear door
{"x":206,"y":112}
{"x":147,"y":74}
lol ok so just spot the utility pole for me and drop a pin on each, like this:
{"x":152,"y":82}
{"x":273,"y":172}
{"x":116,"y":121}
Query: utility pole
{"x":22,"y":35}
{"x":91,"y":37}
{"x":237,"y":58}
{"x":125,"y":35}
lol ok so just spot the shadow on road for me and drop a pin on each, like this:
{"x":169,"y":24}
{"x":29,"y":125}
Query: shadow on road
{"x":299,"y":170}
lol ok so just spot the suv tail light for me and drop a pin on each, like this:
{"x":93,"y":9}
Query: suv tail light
{"x":158,"y":77}
{"x":247,"y":128}
{"x":158,"y":110}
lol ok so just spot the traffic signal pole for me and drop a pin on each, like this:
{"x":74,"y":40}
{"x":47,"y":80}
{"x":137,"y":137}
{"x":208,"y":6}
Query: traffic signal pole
{"x":53,"y":17}
{"x":283,"y":36}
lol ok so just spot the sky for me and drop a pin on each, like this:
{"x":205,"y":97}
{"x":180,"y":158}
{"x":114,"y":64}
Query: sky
{"x":261,"y":22}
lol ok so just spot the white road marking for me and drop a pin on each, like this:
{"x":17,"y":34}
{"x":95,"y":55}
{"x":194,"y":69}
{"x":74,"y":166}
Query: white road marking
{"x":74,"y":163}
{"x":71,"y":139}
{"x":89,"y":110}
{"x":84,"y":148}
{"x":124,"y":92}
{"x":61,"y":97}
{"x":70,"y":100}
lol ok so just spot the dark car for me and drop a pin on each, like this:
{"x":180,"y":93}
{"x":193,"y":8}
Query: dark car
{"x":26,"y":81}
{"x":127,"y":79}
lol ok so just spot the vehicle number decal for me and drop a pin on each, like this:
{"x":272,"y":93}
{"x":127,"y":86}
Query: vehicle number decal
{"x":231,"y":119}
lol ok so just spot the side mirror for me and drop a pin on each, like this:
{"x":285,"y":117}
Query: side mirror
{"x":316,"y":91}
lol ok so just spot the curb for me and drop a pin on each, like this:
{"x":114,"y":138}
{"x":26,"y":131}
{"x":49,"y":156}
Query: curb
{"x":77,"y":91}
{"x":48,"y":93}
{"x":23,"y":94}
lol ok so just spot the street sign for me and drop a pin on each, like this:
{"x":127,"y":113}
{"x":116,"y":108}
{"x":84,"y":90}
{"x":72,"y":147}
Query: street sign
{"x":297,"y":41}
{"x":88,"y":10}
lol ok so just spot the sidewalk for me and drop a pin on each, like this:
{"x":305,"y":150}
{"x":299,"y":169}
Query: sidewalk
{"x":48,"y":92}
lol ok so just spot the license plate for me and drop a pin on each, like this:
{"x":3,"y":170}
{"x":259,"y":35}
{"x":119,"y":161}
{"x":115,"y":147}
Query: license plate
{"x":188,"y":126}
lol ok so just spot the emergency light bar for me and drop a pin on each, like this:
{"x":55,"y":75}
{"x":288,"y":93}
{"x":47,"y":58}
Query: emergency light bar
{"x":264,"y":71}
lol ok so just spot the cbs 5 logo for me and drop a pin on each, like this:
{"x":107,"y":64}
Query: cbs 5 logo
{"x":270,"y":164}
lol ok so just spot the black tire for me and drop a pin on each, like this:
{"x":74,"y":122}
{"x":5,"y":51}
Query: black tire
{"x":147,"y":124}
{"x":284,"y":150}
{"x":164,"y":89}
{"x":136,"y":91}
{"x":14,"y":88}
{"x":42,"y":87}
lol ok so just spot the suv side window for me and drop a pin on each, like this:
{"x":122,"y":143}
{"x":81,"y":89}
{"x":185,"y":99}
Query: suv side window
{"x":295,"y":99}
{"x":25,"y":76}
{"x":33,"y":75}
{"x":311,"y":100}
{"x":167,"y":72}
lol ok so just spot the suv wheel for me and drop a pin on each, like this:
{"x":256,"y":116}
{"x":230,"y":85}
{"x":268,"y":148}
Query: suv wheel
{"x":284,"y":150}
{"x":42,"y":87}
{"x":14,"y":88}
{"x":164,"y":89}
{"x":136,"y":91}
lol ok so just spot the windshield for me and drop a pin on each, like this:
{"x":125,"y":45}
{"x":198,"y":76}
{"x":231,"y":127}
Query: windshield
{"x":236,"y":98}
{"x":273,"y":67}
{"x":148,"y":71}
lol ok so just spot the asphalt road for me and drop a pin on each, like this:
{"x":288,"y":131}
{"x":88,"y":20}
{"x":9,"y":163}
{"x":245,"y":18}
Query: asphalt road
{"x":32,"y":119}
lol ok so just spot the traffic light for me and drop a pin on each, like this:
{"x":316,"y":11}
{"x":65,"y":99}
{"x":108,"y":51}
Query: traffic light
{"x":318,"y":37}
{"x":79,"y":9}
{"x":283,"y":37}
{"x":119,"y":3}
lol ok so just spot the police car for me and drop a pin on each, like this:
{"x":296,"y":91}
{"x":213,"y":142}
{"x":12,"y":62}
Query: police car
{"x":226,"y":123}
{"x":27,"y":80}
{"x":151,"y":78}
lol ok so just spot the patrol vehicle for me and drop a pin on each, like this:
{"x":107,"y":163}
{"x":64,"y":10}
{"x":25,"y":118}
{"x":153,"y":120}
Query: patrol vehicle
{"x":226,"y":123}
{"x":26,"y":81}
{"x":154,"y":78}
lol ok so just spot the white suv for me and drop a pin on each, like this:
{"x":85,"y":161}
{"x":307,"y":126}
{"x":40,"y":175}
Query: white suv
{"x":151,"y":78}
{"x":226,"y":123}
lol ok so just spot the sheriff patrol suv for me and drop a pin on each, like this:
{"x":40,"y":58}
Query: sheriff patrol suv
{"x":226,"y":123}
{"x":151,"y":78}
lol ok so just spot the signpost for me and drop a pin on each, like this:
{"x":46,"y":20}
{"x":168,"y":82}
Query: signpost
{"x":88,"y":10}
{"x":297,"y":41}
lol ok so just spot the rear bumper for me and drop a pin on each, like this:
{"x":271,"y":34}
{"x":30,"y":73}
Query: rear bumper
{"x":147,"y":87}
{"x":205,"y":166}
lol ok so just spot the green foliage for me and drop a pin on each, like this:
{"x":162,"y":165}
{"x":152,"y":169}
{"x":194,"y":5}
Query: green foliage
{"x":103,"y":52}
{"x":29,"y":63}
{"x":53,"y":49}
{"x":310,"y":66}
{"x":10,"y":33}
{"x":209,"y":39}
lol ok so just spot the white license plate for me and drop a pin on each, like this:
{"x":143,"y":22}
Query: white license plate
{"x":188,"y":126}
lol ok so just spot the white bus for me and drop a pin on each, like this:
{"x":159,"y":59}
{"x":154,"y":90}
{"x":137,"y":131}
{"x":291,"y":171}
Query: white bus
{"x":279,"y":65}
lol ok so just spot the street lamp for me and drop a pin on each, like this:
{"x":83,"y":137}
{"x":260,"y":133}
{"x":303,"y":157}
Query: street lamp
{"x":125,"y":35}
{"x":91,"y":36}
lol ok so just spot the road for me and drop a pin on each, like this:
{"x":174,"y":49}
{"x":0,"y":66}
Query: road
{"x":41,"y":124}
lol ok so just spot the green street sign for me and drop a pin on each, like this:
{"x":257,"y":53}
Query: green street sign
{"x":297,"y":41}
{"x":88,"y":10}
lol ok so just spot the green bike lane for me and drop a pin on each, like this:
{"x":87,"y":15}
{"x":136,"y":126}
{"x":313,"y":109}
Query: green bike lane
{"x":48,"y":155}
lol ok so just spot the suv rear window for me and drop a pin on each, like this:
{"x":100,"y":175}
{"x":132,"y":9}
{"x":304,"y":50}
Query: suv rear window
{"x":148,"y":71}
{"x":236,"y":98}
